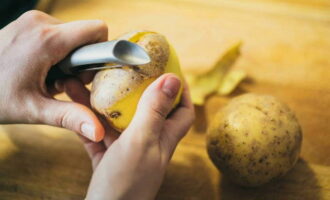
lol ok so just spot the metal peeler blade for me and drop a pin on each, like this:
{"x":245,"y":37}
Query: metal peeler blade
{"x":96,"y":56}
{"x":120,"y":52}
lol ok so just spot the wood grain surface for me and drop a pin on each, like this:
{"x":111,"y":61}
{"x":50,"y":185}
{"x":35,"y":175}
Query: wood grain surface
{"x":286,"y":53}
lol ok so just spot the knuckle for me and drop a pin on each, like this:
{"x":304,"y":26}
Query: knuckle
{"x":63,"y":118}
{"x":45,"y":32}
{"x":103,"y":29}
{"x":48,"y":37}
{"x":103,"y":26}
{"x":159,"y":112}
{"x":33,"y":16}
{"x":31,"y":104}
{"x":60,"y":120}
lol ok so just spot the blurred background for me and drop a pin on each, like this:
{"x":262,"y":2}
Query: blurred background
{"x":285,"y":52}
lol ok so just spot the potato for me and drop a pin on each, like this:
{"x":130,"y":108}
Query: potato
{"x":254,"y":139}
{"x":116,"y":92}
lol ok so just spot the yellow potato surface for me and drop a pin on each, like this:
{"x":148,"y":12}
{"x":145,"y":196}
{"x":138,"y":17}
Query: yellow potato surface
{"x":116,"y":92}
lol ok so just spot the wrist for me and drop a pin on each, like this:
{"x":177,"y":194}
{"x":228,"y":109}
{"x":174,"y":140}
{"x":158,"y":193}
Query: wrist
{"x":128,"y":173}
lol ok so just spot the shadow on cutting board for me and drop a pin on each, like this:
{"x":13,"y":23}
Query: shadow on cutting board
{"x":43,"y":166}
{"x":191,"y":180}
{"x":300,"y":183}
{"x":217,"y":102}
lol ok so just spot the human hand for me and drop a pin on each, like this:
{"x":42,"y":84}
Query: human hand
{"x":132,"y":165}
{"x":30,"y":46}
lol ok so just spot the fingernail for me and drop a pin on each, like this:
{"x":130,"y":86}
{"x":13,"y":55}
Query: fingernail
{"x":59,"y":85}
{"x":171,"y":86}
{"x":88,"y":131}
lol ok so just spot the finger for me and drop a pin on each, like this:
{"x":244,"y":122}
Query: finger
{"x":53,"y":20}
{"x":80,"y":94}
{"x":95,"y":150}
{"x":77,"y":33}
{"x":111,"y":134}
{"x":85,"y":31}
{"x":177,"y":125}
{"x":72,"y":116}
{"x":87,"y":76}
{"x":154,"y":106}
{"x":53,"y":90}
{"x":59,"y":85}
{"x":61,"y":39}
{"x":34,"y":16}
{"x":68,"y":36}
{"x":56,"y":88}
{"x":185,"y":105}
{"x":50,"y":19}
{"x":75,"y":89}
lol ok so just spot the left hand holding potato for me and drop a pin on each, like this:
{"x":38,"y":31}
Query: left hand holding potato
{"x":133,"y":166}
{"x":30,"y":46}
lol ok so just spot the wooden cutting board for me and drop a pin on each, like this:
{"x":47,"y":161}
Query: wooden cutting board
{"x":286,"y":53}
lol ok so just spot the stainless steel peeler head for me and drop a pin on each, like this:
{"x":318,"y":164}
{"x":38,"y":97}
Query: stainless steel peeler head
{"x":99,"y":56}
{"x":120,"y":52}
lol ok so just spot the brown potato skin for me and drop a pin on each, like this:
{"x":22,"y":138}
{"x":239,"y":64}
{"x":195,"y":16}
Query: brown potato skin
{"x":254,"y":139}
{"x":115,"y":92}
{"x":110,"y":86}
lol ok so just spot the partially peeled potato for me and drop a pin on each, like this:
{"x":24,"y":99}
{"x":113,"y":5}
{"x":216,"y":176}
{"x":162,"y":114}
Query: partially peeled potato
{"x":116,"y":92}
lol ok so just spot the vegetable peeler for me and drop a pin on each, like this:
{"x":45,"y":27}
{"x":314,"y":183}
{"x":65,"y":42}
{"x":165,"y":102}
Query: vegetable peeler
{"x":103,"y":55}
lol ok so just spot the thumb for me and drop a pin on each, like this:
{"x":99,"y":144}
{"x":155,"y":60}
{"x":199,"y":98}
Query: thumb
{"x":73,"y":116}
{"x":155,"y":104}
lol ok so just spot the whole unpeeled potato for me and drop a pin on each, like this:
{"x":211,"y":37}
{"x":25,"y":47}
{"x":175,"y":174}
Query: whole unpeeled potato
{"x":116,"y":92}
{"x":254,"y":139}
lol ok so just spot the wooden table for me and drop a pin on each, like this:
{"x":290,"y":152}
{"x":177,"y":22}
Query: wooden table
{"x":286,"y":53}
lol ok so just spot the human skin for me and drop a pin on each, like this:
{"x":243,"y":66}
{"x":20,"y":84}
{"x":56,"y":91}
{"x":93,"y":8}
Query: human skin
{"x":137,"y":160}
{"x":126,"y":166}
{"x":29,"y":47}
